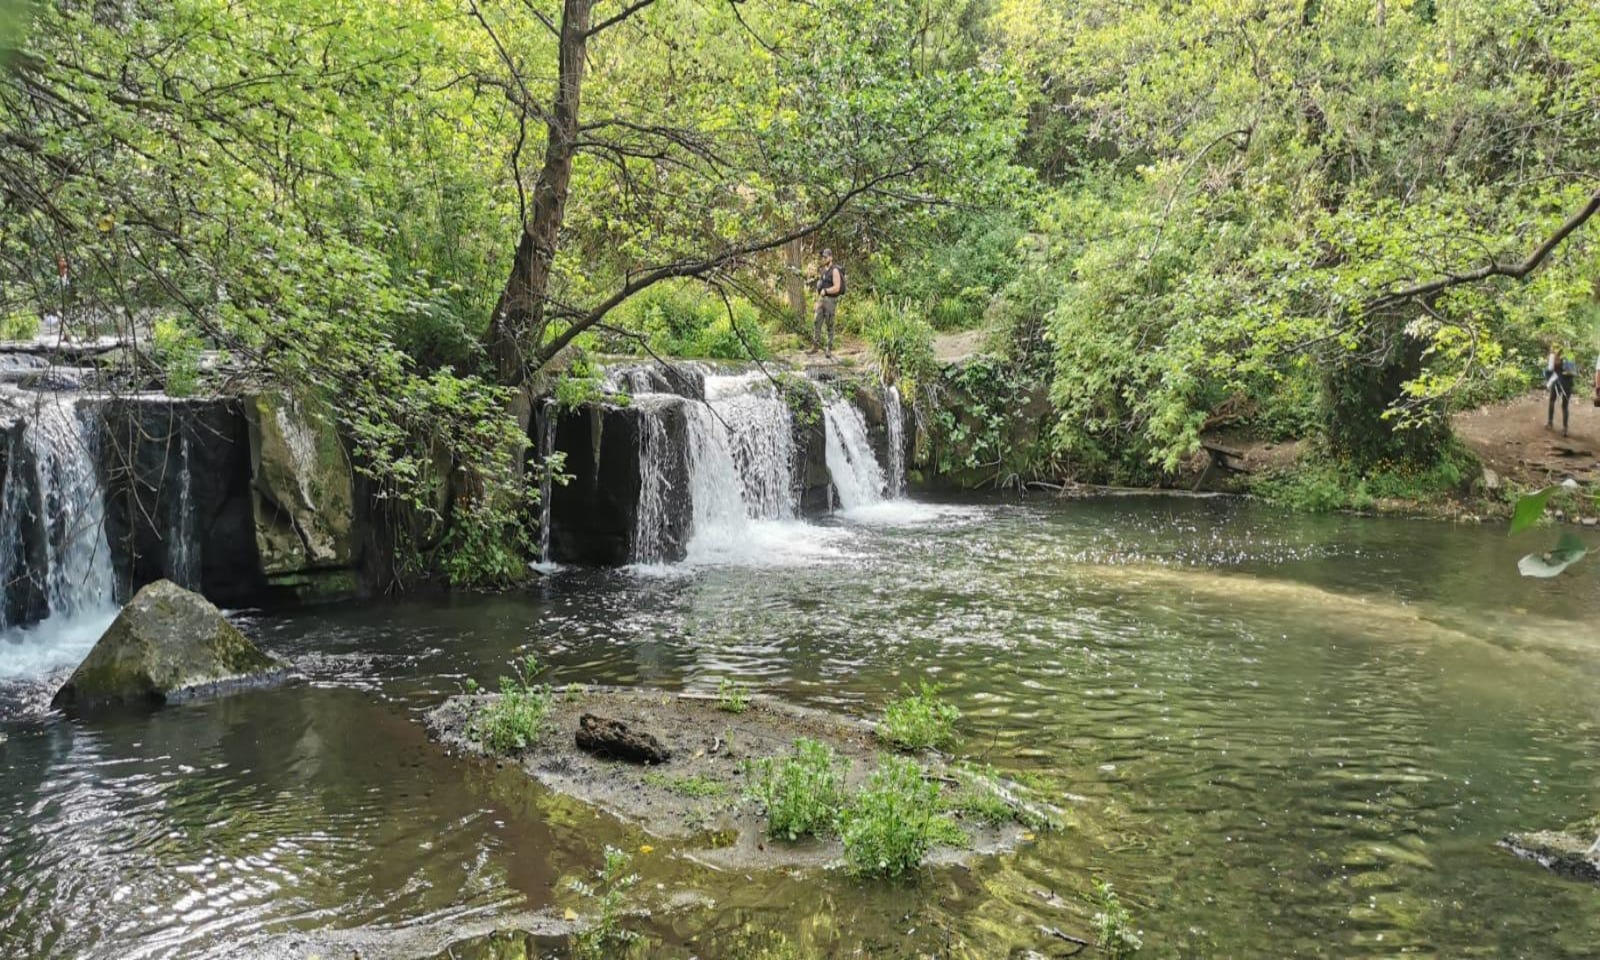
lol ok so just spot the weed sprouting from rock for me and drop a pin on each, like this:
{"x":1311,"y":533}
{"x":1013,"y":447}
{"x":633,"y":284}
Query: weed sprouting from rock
{"x":512,"y":721}
{"x":919,"y":720}
{"x":802,"y":793}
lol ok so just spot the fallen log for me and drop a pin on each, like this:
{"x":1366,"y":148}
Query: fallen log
{"x":611,"y":738}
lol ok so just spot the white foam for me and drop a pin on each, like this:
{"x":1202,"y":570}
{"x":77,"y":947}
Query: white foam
{"x":767,"y":543}
{"x":51,"y":646}
{"x":909,"y":513}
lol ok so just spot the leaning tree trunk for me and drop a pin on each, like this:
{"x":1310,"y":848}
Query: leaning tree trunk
{"x":519,"y":318}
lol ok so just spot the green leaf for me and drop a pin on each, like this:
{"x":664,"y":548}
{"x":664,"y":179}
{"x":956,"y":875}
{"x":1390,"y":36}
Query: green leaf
{"x":1568,"y":550}
{"x":1529,"y":509}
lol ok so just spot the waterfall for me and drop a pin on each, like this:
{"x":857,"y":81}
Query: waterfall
{"x":894,"y":416}
{"x":65,"y":509}
{"x":650,"y":524}
{"x":547,"y":446}
{"x":857,"y":478}
{"x":741,"y":453}
{"x":182,"y":568}
{"x":78,"y":576}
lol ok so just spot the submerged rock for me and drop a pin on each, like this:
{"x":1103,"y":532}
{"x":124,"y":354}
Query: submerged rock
{"x":167,"y":643}
{"x":1571,"y":852}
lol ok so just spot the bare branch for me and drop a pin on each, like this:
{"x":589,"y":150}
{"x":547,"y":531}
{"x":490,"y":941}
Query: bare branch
{"x":626,"y":12}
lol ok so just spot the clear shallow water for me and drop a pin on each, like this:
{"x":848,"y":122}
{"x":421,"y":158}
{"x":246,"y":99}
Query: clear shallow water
{"x":1278,"y":736}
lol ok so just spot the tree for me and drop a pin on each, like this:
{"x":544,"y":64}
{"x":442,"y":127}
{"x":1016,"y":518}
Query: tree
{"x":718,"y":134}
{"x":1275,"y":192}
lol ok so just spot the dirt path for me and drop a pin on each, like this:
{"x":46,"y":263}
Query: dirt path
{"x":1510,"y":438}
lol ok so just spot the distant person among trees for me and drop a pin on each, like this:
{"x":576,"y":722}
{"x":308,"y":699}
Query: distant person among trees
{"x":1559,"y":376}
{"x":1597,"y":380}
{"x":830,"y":287}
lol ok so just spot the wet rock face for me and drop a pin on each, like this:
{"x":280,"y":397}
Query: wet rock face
{"x":22,"y":545}
{"x":178,"y":499}
{"x":680,"y":379}
{"x":303,"y":488}
{"x":594,"y":517}
{"x":810,"y":466}
{"x":168,"y":643}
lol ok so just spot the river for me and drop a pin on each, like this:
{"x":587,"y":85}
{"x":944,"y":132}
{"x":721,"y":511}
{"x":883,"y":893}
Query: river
{"x":1276,"y":735}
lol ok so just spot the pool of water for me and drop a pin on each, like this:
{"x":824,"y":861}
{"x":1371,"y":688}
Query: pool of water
{"x":1275,"y":735}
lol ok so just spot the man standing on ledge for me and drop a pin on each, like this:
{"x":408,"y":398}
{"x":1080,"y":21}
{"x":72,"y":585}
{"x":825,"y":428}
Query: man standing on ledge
{"x":830,"y":286}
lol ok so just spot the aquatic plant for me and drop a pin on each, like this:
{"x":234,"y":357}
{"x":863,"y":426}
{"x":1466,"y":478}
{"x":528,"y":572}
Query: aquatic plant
{"x":802,"y":793}
{"x":919,"y":720}
{"x":513,"y":721}
{"x":605,"y":937}
{"x":894,"y":821}
{"x":1113,"y":924}
{"x":732,"y":696}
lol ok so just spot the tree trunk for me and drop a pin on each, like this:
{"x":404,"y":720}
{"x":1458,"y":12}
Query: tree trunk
{"x":519,"y":318}
{"x":794,"y":283}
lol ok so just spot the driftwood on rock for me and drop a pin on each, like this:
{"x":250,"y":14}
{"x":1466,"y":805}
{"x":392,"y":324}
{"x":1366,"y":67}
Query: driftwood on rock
{"x":612,"y":738}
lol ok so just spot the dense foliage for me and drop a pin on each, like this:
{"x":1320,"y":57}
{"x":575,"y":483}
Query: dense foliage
{"x":1326,"y":219}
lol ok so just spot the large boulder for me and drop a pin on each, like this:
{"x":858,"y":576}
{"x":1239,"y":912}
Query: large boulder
{"x":167,"y":644}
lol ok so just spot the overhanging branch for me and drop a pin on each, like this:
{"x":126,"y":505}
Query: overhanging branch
{"x":1516,"y":271}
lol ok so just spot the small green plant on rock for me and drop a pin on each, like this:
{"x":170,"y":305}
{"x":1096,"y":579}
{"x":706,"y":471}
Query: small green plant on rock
{"x":1113,"y":925}
{"x":894,"y":821}
{"x":512,"y":722}
{"x":802,"y":793}
{"x":732,"y":696}
{"x":606,"y":937}
{"x":919,"y":720}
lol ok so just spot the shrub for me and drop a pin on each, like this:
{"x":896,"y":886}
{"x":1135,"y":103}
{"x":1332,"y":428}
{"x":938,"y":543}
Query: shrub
{"x":901,"y":342}
{"x":802,"y":793}
{"x":687,"y":320}
{"x":894,"y":821}
{"x":919,"y":720}
{"x":513,"y":721}
{"x":21,"y":325}
{"x":1113,"y":925}
{"x":732,"y":696}
{"x":605,"y":937}
{"x":177,"y":349}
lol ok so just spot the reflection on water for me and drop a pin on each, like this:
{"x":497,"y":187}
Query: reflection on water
{"x":1277,"y":736}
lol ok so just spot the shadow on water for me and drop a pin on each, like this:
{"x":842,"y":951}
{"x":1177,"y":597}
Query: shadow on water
{"x":1277,"y":735}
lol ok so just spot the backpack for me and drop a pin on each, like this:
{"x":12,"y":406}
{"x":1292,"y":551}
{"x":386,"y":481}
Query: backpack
{"x":842,"y":285}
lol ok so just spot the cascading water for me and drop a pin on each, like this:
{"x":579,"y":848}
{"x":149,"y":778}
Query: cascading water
{"x":894,"y":417}
{"x":76,"y":581}
{"x":547,"y":446}
{"x":650,"y":524}
{"x":857,"y":479}
{"x":182,"y":564}
{"x":741,"y":474}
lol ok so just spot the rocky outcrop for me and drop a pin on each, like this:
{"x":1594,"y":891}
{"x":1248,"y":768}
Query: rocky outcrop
{"x":810,"y":464}
{"x":303,"y":489}
{"x":594,"y":516}
{"x":179,"y":504}
{"x":1571,"y":852}
{"x":23,"y":538}
{"x":168,"y":643}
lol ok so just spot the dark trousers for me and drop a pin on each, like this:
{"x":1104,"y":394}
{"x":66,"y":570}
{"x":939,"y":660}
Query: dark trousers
{"x":1566,"y":398}
{"x":827,"y":309}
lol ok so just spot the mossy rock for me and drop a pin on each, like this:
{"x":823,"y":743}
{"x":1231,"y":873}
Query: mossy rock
{"x":1570,"y":852}
{"x":302,"y":483}
{"x":168,"y":643}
